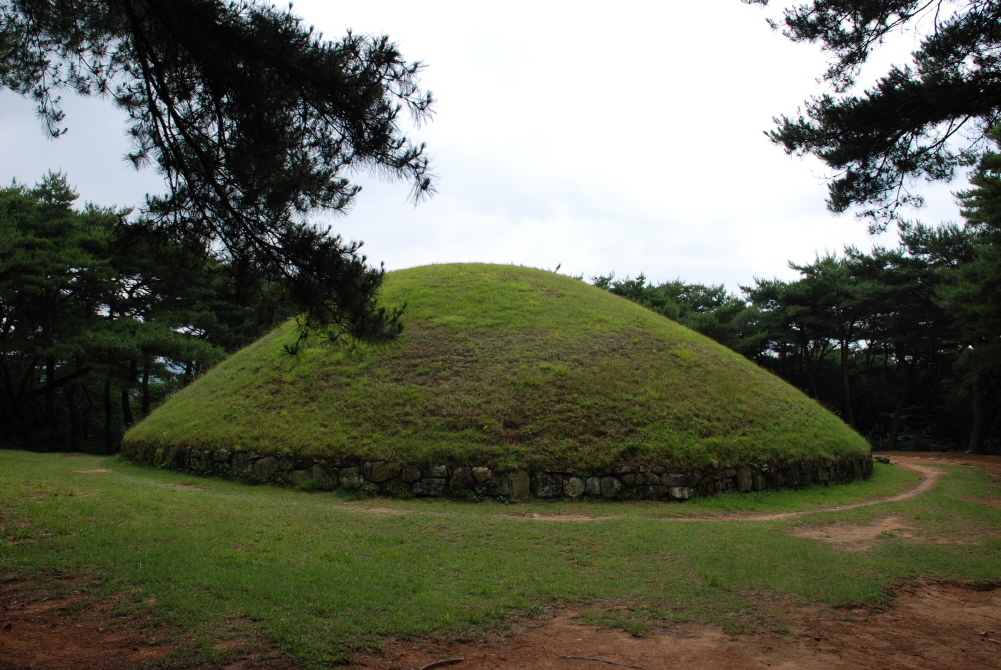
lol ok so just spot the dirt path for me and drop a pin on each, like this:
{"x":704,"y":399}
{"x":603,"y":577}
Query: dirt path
{"x":929,"y":477}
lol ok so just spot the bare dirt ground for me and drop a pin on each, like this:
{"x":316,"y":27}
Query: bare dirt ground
{"x":928,"y":624}
{"x":39,"y":629}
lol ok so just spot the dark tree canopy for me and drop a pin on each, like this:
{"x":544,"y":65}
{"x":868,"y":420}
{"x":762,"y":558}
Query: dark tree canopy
{"x":920,"y":120}
{"x":254,"y":120}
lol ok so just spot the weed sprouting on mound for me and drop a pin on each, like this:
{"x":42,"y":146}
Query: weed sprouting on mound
{"x":504,"y":366}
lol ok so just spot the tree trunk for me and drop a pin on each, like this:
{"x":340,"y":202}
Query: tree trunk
{"x":846,"y":381}
{"x":86,"y":412}
{"x":899,"y":408}
{"x":108,"y":444}
{"x":977,"y":434}
{"x":74,"y":415}
{"x":127,"y":407}
{"x":147,"y":401}
{"x":50,"y":392}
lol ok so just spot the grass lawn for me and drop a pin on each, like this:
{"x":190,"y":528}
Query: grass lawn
{"x":323,"y":576}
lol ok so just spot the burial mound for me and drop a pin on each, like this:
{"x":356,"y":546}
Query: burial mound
{"x":509,"y":382}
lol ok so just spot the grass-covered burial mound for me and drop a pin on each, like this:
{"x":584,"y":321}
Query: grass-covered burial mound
{"x":506,"y":380}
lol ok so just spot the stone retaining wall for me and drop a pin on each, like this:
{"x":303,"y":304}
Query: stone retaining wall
{"x":401,"y":479}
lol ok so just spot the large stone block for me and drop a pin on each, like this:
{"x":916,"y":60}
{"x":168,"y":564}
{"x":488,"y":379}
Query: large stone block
{"x":573,"y":487}
{"x":610,"y":487}
{"x":546,"y":485}
{"x":461,"y":479}
{"x":680,"y":492}
{"x":265,"y":468}
{"x":299,"y":477}
{"x":241,"y":462}
{"x":324,"y":479}
{"x":431,"y":486}
{"x":744,"y":480}
{"x":351,"y":479}
{"x":592,"y":486}
{"x":654,"y":492}
{"x":436,"y":472}
{"x":380,"y":471}
{"x":519,"y":485}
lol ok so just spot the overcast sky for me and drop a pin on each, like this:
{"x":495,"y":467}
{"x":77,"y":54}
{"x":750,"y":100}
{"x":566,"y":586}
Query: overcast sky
{"x":621,"y":137}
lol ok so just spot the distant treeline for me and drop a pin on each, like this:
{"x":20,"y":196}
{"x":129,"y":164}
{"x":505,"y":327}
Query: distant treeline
{"x":99,"y":320}
{"x":901,"y":343}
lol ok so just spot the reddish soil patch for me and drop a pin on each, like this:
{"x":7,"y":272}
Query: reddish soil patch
{"x":187,"y":487}
{"x":851,"y":537}
{"x":372,"y":510}
{"x":558,"y":517}
{"x":929,"y":625}
{"x":42,"y":630}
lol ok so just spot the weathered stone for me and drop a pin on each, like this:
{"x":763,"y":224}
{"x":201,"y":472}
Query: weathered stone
{"x":158,"y":457}
{"x":758,"y":481}
{"x":351,"y":479}
{"x":644,"y":469}
{"x":324,"y":479}
{"x":241,"y":462}
{"x":629,"y":479}
{"x":437,"y":472}
{"x":370,"y":488}
{"x":462,"y":478}
{"x":650,"y":479}
{"x":706,"y":487}
{"x":546,"y":485}
{"x":592,"y":486}
{"x":221,"y":468}
{"x":298,"y":477}
{"x":680,"y":492}
{"x":431,"y":486}
{"x":265,"y":468}
{"x":221,"y":455}
{"x":285,"y":464}
{"x":622,"y":470}
{"x":730,"y":472}
{"x":610,"y":487}
{"x":573,"y":487}
{"x":499,"y":486}
{"x":481,"y":474}
{"x":518,"y":485}
{"x":654,"y":492}
{"x":658,"y":470}
{"x":672,"y":480}
{"x":380,"y":471}
{"x":744,"y":482}
{"x":411,"y":473}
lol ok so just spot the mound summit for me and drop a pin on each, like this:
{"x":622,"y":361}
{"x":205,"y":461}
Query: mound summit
{"x":503,"y":369}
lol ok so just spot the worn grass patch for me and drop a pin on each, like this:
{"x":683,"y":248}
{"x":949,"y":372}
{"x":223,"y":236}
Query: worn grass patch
{"x":504,"y":366}
{"x":322,"y":577}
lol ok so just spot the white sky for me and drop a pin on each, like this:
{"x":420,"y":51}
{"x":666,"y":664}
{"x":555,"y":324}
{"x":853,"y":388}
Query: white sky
{"x":620,"y":137}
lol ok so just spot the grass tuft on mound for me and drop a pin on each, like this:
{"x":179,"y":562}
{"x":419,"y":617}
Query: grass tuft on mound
{"x":503,"y":366}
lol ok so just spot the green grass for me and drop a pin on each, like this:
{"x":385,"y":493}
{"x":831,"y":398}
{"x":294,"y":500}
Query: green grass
{"x":504,"y":366}
{"x":317,"y":575}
